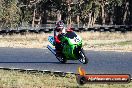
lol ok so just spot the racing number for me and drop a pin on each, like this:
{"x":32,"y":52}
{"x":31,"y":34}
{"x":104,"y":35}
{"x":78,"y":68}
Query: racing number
{"x":76,"y":39}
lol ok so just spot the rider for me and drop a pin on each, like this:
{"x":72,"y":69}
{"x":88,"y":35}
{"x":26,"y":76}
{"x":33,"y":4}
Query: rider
{"x":60,"y":29}
{"x":57,"y":36}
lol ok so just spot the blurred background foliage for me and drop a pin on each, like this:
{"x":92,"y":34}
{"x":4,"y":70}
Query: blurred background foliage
{"x":14,"y":13}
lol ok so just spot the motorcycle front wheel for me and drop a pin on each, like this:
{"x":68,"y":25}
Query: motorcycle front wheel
{"x":83,"y":59}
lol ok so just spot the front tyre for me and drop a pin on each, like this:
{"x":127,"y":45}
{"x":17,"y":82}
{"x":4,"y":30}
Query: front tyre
{"x":83,"y":59}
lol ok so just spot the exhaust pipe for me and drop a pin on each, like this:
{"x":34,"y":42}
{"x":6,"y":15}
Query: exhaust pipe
{"x":51,"y":49}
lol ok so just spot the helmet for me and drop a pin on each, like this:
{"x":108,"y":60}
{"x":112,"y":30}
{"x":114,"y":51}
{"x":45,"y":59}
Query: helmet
{"x":59,"y":25}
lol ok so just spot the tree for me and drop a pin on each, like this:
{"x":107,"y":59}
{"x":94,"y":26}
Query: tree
{"x":10,"y":13}
{"x":130,"y":9}
{"x":88,"y":11}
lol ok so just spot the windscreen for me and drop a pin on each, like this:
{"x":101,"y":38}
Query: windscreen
{"x":70,"y":35}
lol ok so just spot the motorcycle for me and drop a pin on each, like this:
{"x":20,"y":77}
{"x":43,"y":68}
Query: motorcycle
{"x":72,"y":48}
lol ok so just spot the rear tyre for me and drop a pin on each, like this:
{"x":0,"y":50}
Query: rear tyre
{"x":62,"y":59}
{"x":83,"y":59}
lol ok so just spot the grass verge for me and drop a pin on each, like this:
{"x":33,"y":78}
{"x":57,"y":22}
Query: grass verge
{"x":17,"y":79}
{"x":91,"y":41}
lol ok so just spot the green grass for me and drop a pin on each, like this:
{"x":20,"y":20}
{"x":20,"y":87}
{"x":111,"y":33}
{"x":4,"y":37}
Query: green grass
{"x":17,"y":79}
{"x":125,"y":43}
{"x":122,"y":43}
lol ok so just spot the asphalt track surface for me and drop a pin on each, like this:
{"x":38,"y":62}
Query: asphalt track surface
{"x":100,"y":62}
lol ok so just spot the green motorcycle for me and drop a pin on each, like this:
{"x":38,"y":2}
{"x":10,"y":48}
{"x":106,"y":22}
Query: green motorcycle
{"x":72,"y":48}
